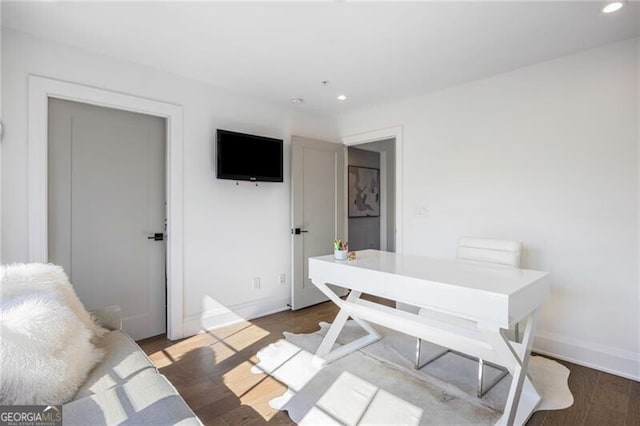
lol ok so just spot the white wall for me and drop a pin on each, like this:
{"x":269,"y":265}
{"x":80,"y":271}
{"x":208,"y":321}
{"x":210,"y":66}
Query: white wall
{"x":231,"y":233}
{"x":547,"y":155}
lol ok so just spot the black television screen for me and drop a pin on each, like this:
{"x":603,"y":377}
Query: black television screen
{"x":248,"y":157}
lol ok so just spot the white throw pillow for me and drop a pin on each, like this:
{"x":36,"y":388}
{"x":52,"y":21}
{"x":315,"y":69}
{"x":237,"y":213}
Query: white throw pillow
{"x":20,"y":277}
{"x":46,"y":348}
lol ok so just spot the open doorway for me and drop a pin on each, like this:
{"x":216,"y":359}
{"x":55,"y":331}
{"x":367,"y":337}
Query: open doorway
{"x":371,"y":195}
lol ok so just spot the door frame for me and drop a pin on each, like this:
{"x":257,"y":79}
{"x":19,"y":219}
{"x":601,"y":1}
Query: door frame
{"x":374,"y":136}
{"x":40,"y":90}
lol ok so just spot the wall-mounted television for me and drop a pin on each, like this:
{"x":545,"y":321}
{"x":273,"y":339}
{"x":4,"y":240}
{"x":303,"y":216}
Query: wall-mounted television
{"x":248,"y":157}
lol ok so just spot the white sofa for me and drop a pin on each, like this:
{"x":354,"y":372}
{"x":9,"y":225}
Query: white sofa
{"x":125,"y":388}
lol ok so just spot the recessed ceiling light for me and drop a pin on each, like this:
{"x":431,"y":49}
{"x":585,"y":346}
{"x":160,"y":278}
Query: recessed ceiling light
{"x":342,"y":98}
{"x":296,"y":101}
{"x":613,"y":6}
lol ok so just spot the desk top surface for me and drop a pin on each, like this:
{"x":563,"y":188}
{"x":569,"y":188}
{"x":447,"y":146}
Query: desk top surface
{"x":502,"y":280}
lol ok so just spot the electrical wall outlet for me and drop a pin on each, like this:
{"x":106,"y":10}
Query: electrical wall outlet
{"x":255,"y":283}
{"x":422,"y":211}
{"x":283,"y":279}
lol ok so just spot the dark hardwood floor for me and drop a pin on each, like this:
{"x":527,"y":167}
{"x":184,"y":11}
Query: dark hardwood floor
{"x":212,"y":371}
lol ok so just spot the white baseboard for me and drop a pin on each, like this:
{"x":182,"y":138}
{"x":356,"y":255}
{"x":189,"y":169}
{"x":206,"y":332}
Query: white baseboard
{"x":611,"y":360}
{"x":214,"y":318}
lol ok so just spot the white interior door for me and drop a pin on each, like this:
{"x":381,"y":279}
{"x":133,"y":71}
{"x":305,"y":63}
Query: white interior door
{"x":106,"y":198}
{"x":317,"y":174}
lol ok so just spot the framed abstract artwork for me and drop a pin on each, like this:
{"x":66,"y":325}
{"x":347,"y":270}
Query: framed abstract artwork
{"x":364,"y":192}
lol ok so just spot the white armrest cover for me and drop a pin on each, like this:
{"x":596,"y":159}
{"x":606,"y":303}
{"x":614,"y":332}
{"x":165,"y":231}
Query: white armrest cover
{"x":109,"y":317}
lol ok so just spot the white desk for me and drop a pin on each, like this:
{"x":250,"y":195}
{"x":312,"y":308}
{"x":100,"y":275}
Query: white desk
{"x":493,"y":297}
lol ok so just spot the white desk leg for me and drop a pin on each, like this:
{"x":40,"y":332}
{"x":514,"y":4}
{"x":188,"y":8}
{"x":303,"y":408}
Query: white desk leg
{"x":336,"y":327}
{"x":324,"y":354}
{"x":523,"y":397}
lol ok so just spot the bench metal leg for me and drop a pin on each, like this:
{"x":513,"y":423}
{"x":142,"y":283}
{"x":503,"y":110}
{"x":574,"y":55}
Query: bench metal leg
{"x":417,"y":364}
{"x":482,"y":390}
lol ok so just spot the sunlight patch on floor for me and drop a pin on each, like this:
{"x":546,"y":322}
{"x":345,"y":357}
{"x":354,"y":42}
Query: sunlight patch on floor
{"x":219,"y":353}
{"x":240,"y":378}
{"x":180,"y":349}
{"x":353,"y":400}
{"x":228,"y":330}
{"x":246,"y":337}
{"x":223,"y":343}
{"x":254,"y":390}
{"x":161,"y":359}
{"x":347,"y":398}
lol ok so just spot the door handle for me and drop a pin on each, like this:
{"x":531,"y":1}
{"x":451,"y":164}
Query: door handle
{"x":158,"y":236}
{"x":298,"y":231}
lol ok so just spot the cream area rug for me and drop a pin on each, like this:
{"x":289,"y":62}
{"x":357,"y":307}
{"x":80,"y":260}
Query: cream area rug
{"x":378,"y":384}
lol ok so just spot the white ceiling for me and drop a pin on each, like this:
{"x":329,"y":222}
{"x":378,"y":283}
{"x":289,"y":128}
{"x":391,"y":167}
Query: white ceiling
{"x":372,"y":52}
